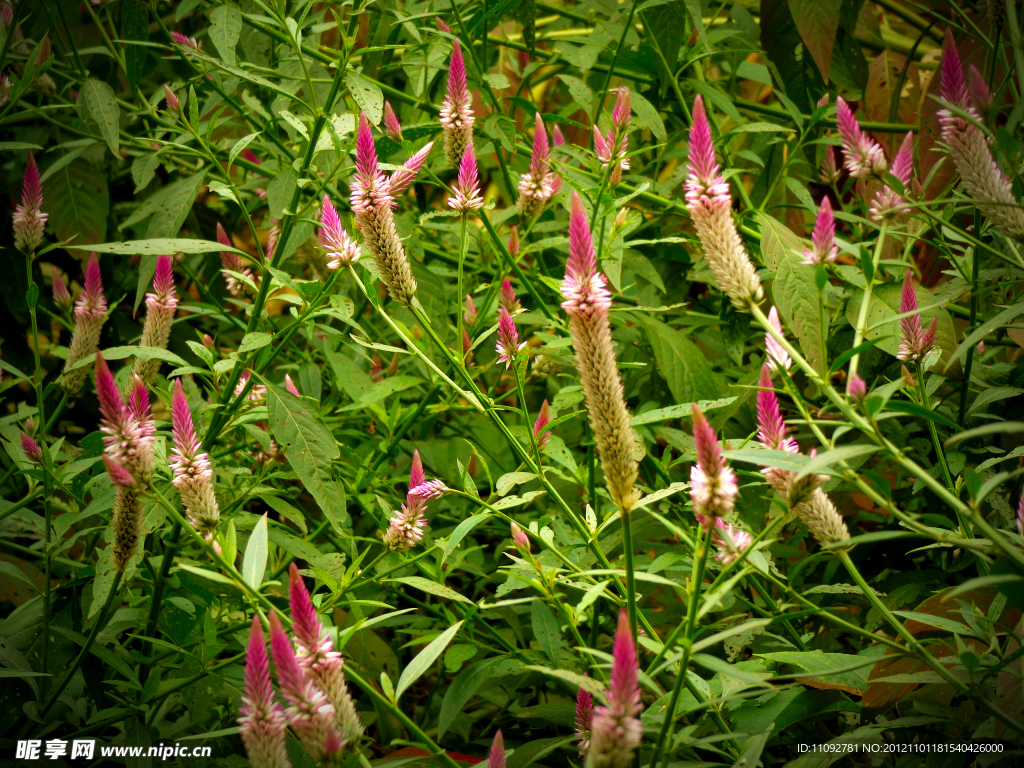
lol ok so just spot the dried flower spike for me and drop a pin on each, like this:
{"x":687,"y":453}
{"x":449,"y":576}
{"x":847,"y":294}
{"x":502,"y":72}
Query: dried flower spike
{"x":456,"y":109}
{"x":90,"y":314}
{"x":61,"y":295}
{"x":29,"y":219}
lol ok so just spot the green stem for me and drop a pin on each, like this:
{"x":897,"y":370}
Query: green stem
{"x":923,"y":390}
{"x":965,"y":386}
{"x":865,"y":302}
{"x":626,"y":518}
{"x":615,"y":55}
{"x":156,"y":600}
{"x":514,"y":265}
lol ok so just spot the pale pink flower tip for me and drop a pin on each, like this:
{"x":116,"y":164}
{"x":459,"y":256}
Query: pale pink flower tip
{"x":823,"y":238}
{"x":416,"y":475}
{"x":508,"y":296}
{"x":864,"y":157}
{"x":508,"y":345}
{"x":305,"y":623}
{"x":915,"y":342}
{"x":778,"y":357}
{"x":830,"y":172}
{"x":173,"y":104}
{"x":519,"y":538}
{"x":290,"y":386}
{"x":392,"y":128}
{"x":540,"y":432}
{"x":31,"y":448}
{"x":457,"y":89}
{"x":61,"y":295}
{"x":622,"y":110}
{"x":404,"y":176}
{"x":953,"y":88}
{"x":112,"y":407}
{"x":470,"y":314}
{"x":771,"y":426}
{"x":118,"y":474}
{"x":29,"y":220}
{"x":713,"y":486}
{"x":341,"y":248}
{"x":366,"y":151}
{"x":466,"y":193}
{"x":583,"y":287}
{"x":92,"y":290}
{"x":513,"y":243}
{"x":441,"y":25}
{"x":496,"y":758}
{"x":856,"y":388}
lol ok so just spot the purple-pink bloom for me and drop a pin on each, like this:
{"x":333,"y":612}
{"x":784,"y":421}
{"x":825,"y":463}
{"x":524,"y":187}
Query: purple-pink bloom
{"x":713,"y":488}
{"x":823,"y":248}
{"x":1020,"y":515}
{"x":262,"y":719}
{"x":466,"y":192}
{"x":171,"y":98}
{"x":977,"y":87}
{"x":508,"y":298}
{"x":29,"y":219}
{"x":119,"y":476}
{"x":61,"y":294}
{"x":456,"y":109}
{"x":540,"y":431}
{"x":622,"y":111}
{"x":126,"y":440}
{"x":731,"y":542}
{"x":829,"y":173}
{"x":470,"y":314}
{"x":772,"y":430}
{"x":915,"y":342}
{"x":289,"y":385}
{"x":513,"y":243}
{"x":496,"y":757}
{"x":615,"y":730}
{"x":31,"y":448}
{"x":404,"y":176}
{"x":889,"y":203}
{"x":863,"y":156}
{"x":778,"y":357}
{"x":856,"y":388}
{"x":519,"y":538}
{"x":441,"y":24}
{"x":584,"y":716}
{"x":161,"y":306}
{"x":557,"y":140}
{"x":90,"y":314}
{"x":190,"y":465}
{"x":392,"y":128}
{"x":431,"y":489}
{"x":186,"y":42}
{"x":341,"y":248}
{"x":508,"y":345}
{"x":406,"y":527}
{"x":535,"y":186}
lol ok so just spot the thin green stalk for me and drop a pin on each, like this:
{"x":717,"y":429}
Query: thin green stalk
{"x":156,"y":599}
{"x":923,"y":390}
{"x":615,"y":54}
{"x":625,"y":517}
{"x":507,"y":258}
{"x":460,"y":298}
{"x":965,"y":385}
{"x":865,"y":302}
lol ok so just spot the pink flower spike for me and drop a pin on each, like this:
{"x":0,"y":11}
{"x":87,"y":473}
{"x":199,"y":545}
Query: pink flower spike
{"x":290,"y":386}
{"x":557,"y":139}
{"x":90,"y":314}
{"x":903,"y":164}
{"x":496,"y":758}
{"x":441,"y":25}
{"x":951,"y":71}
{"x":519,"y":538}
{"x":583,"y":288}
{"x":541,"y":156}
{"x":602,"y":146}
{"x":61,"y":295}
{"x":615,"y":730}
{"x":622,"y":111}
{"x":392,"y":128}
{"x":118,"y":475}
{"x":508,"y":296}
{"x":830,"y":172}
{"x":6,"y":14}
{"x":416,"y":474}
{"x":863,"y":155}
{"x":341,"y":249}
{"x":171,"y":98}
{"x":262,"y":720}
{"x":29,"y":219}
{"x":248,"y":154}
{"x":112,"y":407}
{"x":915,"y":342}
{"x":540,"y":432}
{"x":535,"y":186}
{"x":703,"y":163}
{"x":190,"y":465}
{"x":404,"y":176}
{"x":823,"y":240}
{"x":778,"y":357}
{"x":584,"y":716}
{"x":138,"y":405}
{"x":732,"y":542}
{"x":856,"y":388}
{"x":456,"y":115}
{"x":306,"y":624}
{"x":187,"y":42}
{"x":977,"y":87}
{"x":470,"y":314}
{"x":366,"y":151}
{"x":466,"y":193}
{"x":45,"y":50}
{"x":713,"y":486}
{"x":31,"y":449}
{"x":513,"y":243}
{"x":771,"y":427}
{"x":163,"y":278}
{"x":1020,"y":516}
{"x":508,"y":345}
{"x":228,"y":259}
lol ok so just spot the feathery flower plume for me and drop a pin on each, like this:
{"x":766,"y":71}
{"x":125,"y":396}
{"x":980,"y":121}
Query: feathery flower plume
{"x":45,"y":50}
{"x":622,"y":111}
{"x":863,"y":156}
{"x":404,"y":176}
{"x":171,"y":98}
{"x":262,"y":719}
{"x":507,"y":299}
{"x":613,"y":147}
{"x":466,"y":192}
{"x":61,"y":295}
{"x":710,"y":204}
{"x":888,"y":203}
{"x":193,"y":475}
{"x":557,"y":140}
{"x":856,"y":388}
{"x":713,"y":486}
{"x":230,"y":261}
{"x":138,"y":406}
{"x":823,"y":248}
{"x":519,"y":538}
{"x":126,"y":522}
{"x":508,"y":345}
{"x":584,"y":715}
{"x":119,"y":476}
{"x":540,"y":432}
{"x":127,"y":441}
{"x":160,"y":308}
{"x":470,"y":314}
{"x":371,"y":202}
{"x":456,"y":109}
{"x":31,"y":448}
{"x":587,"y":302}
{"x":829,"y":173}
{"x":29,"y":219}
{"x":777,"y":355}
{"x":341,"y":249}
{"x":290,"y":386}
{"x":772,"y":430}
{"x":407,"y":527}
{"x":6,"y":16}
{"x":513,"y":243}
{"x":983,"y":180}
{"x":317,"y":657}
{"x":496,"y":758}
{"x":535,"y":185}
{"x":615,"y":730}
{"x":185,"y":42}
{"x":90,"y":314}
{"x":915,"y":342}
{"x":1020,"y":515}
{"x":441,"y":25}
{"x":431,"y":489}
{"x":392,"y":128}
{"x":977,"y":87}
{"x":310,"y":714}
{"x":823,"y":519}
{"x":731,"y":542}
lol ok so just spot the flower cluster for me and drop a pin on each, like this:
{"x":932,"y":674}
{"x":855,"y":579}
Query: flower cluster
{"x":341,"y":248}
{"x":508,"y":345}
{"x":466,"y":192}
{"x":90,"y":314}
{"x":406,"y":527}
{"x":193,"y":475}
{"x":612,"y":148}
{"x":161,"y":306}
{"x":615,"y":729}
{"x":232,"y":262}
{"x":29,"y":219}
{"x":456,"y":109}
{"x":862,"y":154}
{"x":536,"y":186}
{"x":915,"y":341}
{"x":823,"y":248}
{"x":713,"y":486}
{"x":889,"y":203}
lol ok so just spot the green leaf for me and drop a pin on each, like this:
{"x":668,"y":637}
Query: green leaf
{"x":792,"y":462}
{"x":823,"y":461}
{"x":207,"y":574}
{"x":432,"y":587}
{"x":679,"y":411}
{"x":225,"y":27}
{"x":159,"y":246}
{"x":546,"y":632}
{"x":134,"y":28}
{"x":254,"y":564}
{"x":579,"y":91}
{"x":679,"y":362}
{"x":99,"y":100}
{"x":938,"y":622}
{"x":817,"y":21}
{"x":648,"y":115}
{"x":101,"y":652}
{"x":77,"y":201}
{"x":460,"y":532}
{"x":839,"y":668}
{"x":367,"y":95}
{"x":254,"y":340}
{"x":240,"y":146}
{"x":467,"y":683}
{"x":425,"y":658}
{"x":1003,"y":427}
{"x":1001,"y":319}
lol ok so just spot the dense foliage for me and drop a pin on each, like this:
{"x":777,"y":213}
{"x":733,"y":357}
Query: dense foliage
{"x":592,"y":384}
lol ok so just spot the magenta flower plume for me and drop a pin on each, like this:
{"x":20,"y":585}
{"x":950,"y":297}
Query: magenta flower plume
{"x":519,"y":538}
{"x":977,"y":87}
{"x":584,"y":716}
{"x":404,"y":176}
{"x":772,"y":430}
{"x":432,"y":489}
{"x":615,"y":730}
{"x":466,"y":193}
{"x":161,"y":306}
{"x":127,"y":441}
{"x":622,"y":111}
{"x":6,"y":16}
{"x":470,"y":313}
{"x":31,"y":449}
{"x":535,"y":186}
{"x":406,"y":527}
{"x":508,"y":299}
{"x":856,"y":388}
{"x":119,"y":476}
{"x":587,"y":302}
{"x":513,"y":243}
{"x":713,"y":488}
{"x":540,"y":432}
{"x":90,"y":314}
{"x":889,"y":203}
{"x":417,"y":476}
{"x":731,"y":542}
{"x":778,"y":357}
{"x":1020,"y":515}
{"x":171,"y":99}
{"x":61,"y":294}
{"x":557,"y":140}
{"x":823,"y":248}
{"x":289,"y":385}
{"x":983,"y":180}
{"x":261,"y":718}
{"x":193,"y":475}
{"x":496,"y":757}
{"x":392,"y":128}
{"x":185,"y":42}
{"x":29,"y":219}
{"x":341,"y":249}
{"x":829,"y":173}
{"x":138,"y":406}
{"x":710,"y":204}
{"x":371,"y":201}
{"x":863,"y":156}
{"x":508,"y":345}
{"x":611,"y":153}
{"x":441,"y":24}
{"x":915,"y":342}
{"x":456,"y":109}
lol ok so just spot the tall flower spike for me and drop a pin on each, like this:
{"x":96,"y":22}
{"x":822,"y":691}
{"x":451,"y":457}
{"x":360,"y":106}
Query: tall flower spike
{"x":29,"y":219}
{"x":889,"y":203}
{"x":731,"y":542}
{"x":406,"y":527}
{"x":983,"y":180}
{"x":823,"y":248}
{"x":915,"y":342}
{"x":341,"y":249}
{"x":710,"y":204}
{"x":830,"y":172}
{"x":61,"y":295}
{"x":371,"y":201}
{"x":772,"y":431}
{"x":508,"y":345}
{"x":161,"y":306}
{"x":863,"y":156}
{"x":31,"y":449}
{"x":496,"y":758}
{"x":587,"y":302}
{"x":171,"y":98}
{"x":540,"y":432}
{"x":622,"y":111}
{"x":713,"y":487}
{"x":778,"y":357}
{"x":977,"y":87}
{"x":90,"y":314}
{"x":138,"y":406}
{"x":193,"y":475}
{"x":535,"y":185}
{"x":584,"y":715}
{"x":466,"y":193}
{"x":456,"y":109}
{"x":404,"y":176}
{"x":615,"y":730}
{"x":392,"y":128}
{"x":261,"y":718}
{"x":126,"y":440}
{"x":508,"y":298}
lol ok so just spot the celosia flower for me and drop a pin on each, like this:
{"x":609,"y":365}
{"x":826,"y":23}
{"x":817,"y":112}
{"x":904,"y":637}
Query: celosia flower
{"x":829,"y":173}
{"x":731,"y":542}
{"x":441,"y":25}
{"x":29,"y":219}
{"x":713,"y":486}
{"x":801,"y":487}
{"x":622,"y":111}
{"x":519,"y":538}
{"x":584,"y":715}
{"x":1020,"y":515}
{"x":407,"y":527}
{"x":341,"y":249}
{"x":466,"y":192}
{"x":193,"y":475}
{"x":823,"y":519}
{"x":230,"y":261}
{"x":470,"y":314}
{"x":31,"y":449}
{"x":261,"y":718}
{"x":915,"y":343}
{"x":508,"y":299}
{"x":710,"y":204}
{"x":496,"y":757}
{"x":856,"y":388}
{"x":371,"y":202}
{"x":90,"y":314}
{"x":535,"y":185}
{"x":257,"y":392}
{"x":772,"y":430}
{"x":888,"y":203}
{"x":128,"y":442}
{"x":986,"y":185}
{"x":540,"y":432}
{"x":119,"y":476}
{"x":431,"y":489}
{"x":456,"y":109}
{"x":777,"y":355}
{"x":61,"y":295}
{"x":6,"y":17}
{"x":323,"y":665}
{"x":863,"y":156}
{"x":513,"y":243}
{"x":823,"y":248}
{"x":171,"y":98}
{"x":392,"y":128}
{"x":611,"y":149}
{"x":977,"y":87}
{"x":310,"y":715}
{"x":289,"y":385}
{"x":45,"y":50}
{"x":160,"y":308}
{"x":404,"y":176}
{"x":615,"y":730}
{"x":185,"y":42}
{"x":587,"y":302}
{"x":138,"y":406}
{"x":508,"y":345}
